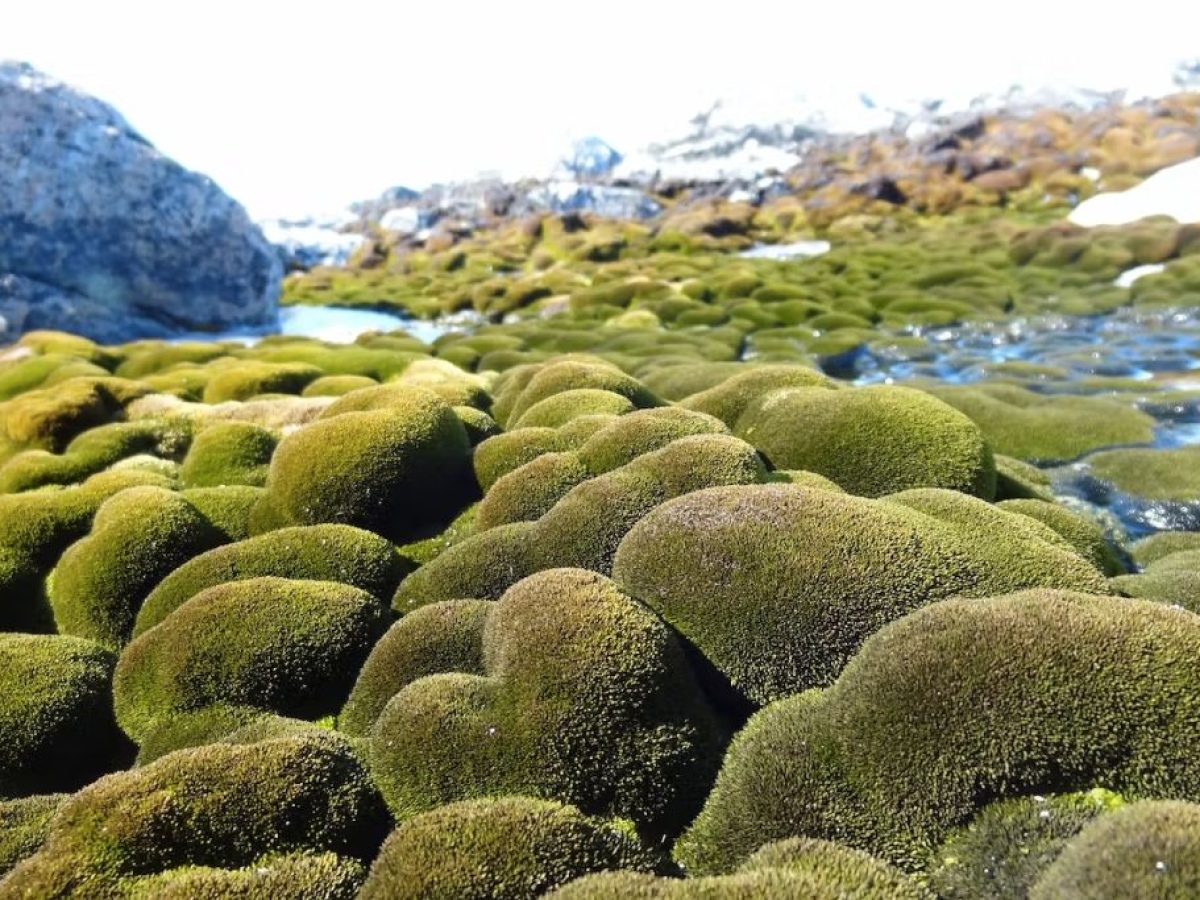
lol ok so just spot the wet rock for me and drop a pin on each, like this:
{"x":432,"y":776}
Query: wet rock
{"x":102,"y":234}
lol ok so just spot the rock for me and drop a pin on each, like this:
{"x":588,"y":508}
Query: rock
{"x":610,"y":202}
{"x":404,"y":220}
{"x":310,"y":242}
{"x":103,"y":235}
{"x":591,"y":158}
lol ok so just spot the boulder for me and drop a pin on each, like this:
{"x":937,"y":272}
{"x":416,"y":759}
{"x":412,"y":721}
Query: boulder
{"x":102,"y":235}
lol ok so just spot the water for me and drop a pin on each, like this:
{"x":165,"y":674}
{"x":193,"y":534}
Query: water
{"x":796,"y":250}
{"x":340,"y":325}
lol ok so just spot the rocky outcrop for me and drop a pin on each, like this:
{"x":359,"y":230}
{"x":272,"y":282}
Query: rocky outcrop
{"x":103,"y":235}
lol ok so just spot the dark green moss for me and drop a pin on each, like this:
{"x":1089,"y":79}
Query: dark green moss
{"x":586,"y":698}
{"x":964,"y":701}
{"x":288,"y":646}
{"x":24,"y":825}
{"x":506,"y":847}
{"x":396,"y":471}
{"x":220,"y":806}
{"x":871,"y":441}
{"x":440,"y":637}
{"x":317,"y":553}
{"x":57,"y":730}
{"x":777,"y":586}
{"x":1009,"y":844}
{"x":1148,"y":849}
{"x":296,"y":876}
{"x":138,"y":537}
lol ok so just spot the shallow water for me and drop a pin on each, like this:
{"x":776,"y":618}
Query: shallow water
{"x":340,"y":325}
{"x":796,"y":250}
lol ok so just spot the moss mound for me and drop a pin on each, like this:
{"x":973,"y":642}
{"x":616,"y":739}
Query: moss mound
{"x":440,"y":637}
{"x":517,"y":399}
{"x":506,"y":847}
{"x":1010,"y":843}
{"x":1149,"y":849}
{"x":730,"y":398}
{"x":582,"y":529}
{"x":288,"y":646}
{"x":509,"y":450}
{"x":228,"y":453}
{"x":1172,"y":475}
{"x":964,"y":699}
{"x":1153,"y":548}
{"x":338,"y":553}
{"x":640,"y":432}
{"x":1021,"y":423}
{"x":871,"y":441}
{"x":295,"y":876}
{"x":222,"y":806}
{"x":799,"y":867}
{"x":527,"y":493}
{"x":1082,"y":533}
{"x":585,"y":697}
{"x":249,"y":378}
{"x":138,"y":537}
{"x":394,"y":471}
{"x":778,"y":585}
{"x":24,"y":825}
{"x":57,"y":730}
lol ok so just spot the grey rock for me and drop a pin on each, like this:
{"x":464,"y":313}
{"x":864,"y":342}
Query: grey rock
{"x":609,"y":202}
{"x":102,"y":235}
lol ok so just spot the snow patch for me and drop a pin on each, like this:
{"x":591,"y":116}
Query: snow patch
{"x":1173,"y":191}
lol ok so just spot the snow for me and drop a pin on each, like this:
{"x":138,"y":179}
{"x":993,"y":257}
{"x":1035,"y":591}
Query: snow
{"x":786,"y":251}
{"x":1129,"y":276}
{"x":1173,"y":191}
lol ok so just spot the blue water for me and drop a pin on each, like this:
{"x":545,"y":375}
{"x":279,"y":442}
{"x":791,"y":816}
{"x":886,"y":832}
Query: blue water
{"x":339,"y":325}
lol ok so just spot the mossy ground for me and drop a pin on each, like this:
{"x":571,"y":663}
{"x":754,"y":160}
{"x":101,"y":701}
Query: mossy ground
{"x":523,"y":594}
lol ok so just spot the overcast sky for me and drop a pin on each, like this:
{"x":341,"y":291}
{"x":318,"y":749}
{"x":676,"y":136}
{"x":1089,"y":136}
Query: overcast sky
{"x":304,"y":106}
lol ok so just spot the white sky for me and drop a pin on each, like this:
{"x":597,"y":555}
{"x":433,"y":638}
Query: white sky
{"x":304,"y":106}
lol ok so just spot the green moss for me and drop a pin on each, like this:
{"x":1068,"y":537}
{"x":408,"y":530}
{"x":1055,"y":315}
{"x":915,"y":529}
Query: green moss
{"x":1155,"y":474}
{"x":561,"y":377}
{"x":1149,"y":849}
{"x":586,"y":697}
{"x":962,"y":701}
{"x":56,"y":721}
{"x":195,"y":728}
{"x":1164,"y":543}
{"x":777,"y":586}
{"x":48,"y":419}
{"x":506,"y":847}
{"x":527,"y":493}
{"x":564,"y":406}
{"x":674,"y":382}
{"x":228,"y":509}
{"x":225,"y":453}
{"x":89,"y":453}
{"x":138,"y":537}
{"x":222,"y":806}
{"x":799,"y":867}
{"x":24,"y":825}
{"x":337,"y":553}
{"x":508,"y":451}
{"x":1082,"y":533}
{"x":336,"y":385}
{"x":285,"y":645}
{"x":1009,"y":844}
{"x":1029,"y":426}
{"x":871,"y":441}
{"x":396,"y":471}
{"x":584,"y":528}
{"x":640,"y":432}
{"x":440,"y":637}
{"x":481,"y":566}
{"x":249,"y":378}
{"x":478,"y":424}
{"x":1017,"y":480}
{"x":729,"y":399}
{"x":297,"y":876}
